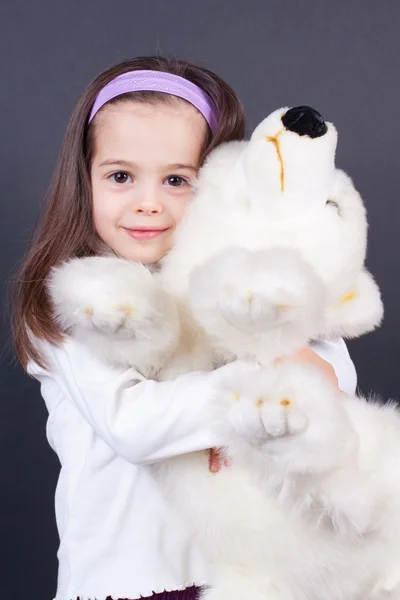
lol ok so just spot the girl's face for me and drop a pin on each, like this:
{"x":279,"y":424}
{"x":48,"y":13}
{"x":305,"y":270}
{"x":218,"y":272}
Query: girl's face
{"x":144,"y":159}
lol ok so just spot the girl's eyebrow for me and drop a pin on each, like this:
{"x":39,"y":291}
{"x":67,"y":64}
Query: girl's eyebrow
{"x":181,"y":166}
{"x":115,"y":161}
{"x":127,"y":163}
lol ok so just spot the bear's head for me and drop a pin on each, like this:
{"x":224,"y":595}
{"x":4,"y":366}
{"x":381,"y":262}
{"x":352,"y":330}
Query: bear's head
{"x":281,"y":189}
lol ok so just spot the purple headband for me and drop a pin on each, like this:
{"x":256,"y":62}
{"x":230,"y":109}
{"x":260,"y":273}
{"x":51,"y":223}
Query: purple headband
{"x":158,"y":81}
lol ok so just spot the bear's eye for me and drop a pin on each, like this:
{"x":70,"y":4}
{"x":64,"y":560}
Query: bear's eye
{"x":334,"y":204}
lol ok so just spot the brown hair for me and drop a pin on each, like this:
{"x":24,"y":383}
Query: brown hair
{"x":65,"y":229}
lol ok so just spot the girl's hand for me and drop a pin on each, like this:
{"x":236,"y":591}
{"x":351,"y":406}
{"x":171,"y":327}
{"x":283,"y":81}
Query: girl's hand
{"x":216,"y":460}
{"x":309,"y":356}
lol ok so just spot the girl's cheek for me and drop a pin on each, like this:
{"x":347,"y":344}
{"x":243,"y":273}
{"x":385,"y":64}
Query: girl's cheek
{"x":181,"y":209}
{"x":109,"y":200}
{"x":181,"y":203}
{"x":106,"y":211}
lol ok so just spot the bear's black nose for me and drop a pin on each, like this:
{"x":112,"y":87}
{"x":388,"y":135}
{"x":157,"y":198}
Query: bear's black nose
{"x":305,"y":120}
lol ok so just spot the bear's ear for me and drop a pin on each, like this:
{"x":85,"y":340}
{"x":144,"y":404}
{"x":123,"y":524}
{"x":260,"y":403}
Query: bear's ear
{"x":346,"y":200}
{"x":335,"y":206}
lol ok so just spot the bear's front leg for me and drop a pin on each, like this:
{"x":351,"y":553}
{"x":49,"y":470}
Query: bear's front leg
{"x":118,"y":308}
{"x":288,"y":424}
{"x":289,"y":412}
{"x":260,"y":304}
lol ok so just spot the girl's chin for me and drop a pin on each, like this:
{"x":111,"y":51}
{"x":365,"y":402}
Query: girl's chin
{"x":146,"y":255}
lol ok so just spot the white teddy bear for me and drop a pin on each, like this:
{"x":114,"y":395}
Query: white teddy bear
{"x":270,"y":255}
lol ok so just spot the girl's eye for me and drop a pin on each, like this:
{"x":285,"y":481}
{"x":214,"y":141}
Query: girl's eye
{"x":121,"y":177}
{"x":176,"y":181}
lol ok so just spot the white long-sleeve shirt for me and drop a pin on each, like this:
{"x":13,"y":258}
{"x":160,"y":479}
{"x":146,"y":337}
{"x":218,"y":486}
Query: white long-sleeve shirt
{"x":118,"y":537}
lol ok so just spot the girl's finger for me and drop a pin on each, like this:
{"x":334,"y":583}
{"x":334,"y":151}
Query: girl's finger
{"x":214,"y":461}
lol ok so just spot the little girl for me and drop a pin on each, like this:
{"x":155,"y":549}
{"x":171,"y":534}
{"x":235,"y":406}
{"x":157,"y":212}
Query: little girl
{"x":133,"y":145}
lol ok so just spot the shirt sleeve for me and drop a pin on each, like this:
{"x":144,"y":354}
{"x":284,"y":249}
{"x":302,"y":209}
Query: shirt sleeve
{"x":146,"y":421}
{"x":143,"y":421}
{"x":336,"y":353}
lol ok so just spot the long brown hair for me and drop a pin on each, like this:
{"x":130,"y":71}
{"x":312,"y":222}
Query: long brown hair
{"x":66,"y":229}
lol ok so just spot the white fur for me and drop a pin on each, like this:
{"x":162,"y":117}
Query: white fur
{"x":258,"y":304}
{"x":270,"y":255}
{"x":118,"y":308}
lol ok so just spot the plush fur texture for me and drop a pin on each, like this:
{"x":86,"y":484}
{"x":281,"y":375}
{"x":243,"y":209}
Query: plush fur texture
{"x":269,"y":256}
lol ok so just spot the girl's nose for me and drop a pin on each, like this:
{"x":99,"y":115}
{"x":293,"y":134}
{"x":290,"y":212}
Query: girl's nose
{"x":148,"y":205}
{"x":154,"y":210}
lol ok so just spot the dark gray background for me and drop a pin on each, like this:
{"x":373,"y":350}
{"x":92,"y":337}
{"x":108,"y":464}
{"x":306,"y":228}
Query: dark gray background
{"x":342,"y":57}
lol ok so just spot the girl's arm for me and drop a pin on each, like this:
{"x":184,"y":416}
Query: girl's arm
{"x":143,"y":421}
{"x":146,"y":421}
{"x":336,"y":356}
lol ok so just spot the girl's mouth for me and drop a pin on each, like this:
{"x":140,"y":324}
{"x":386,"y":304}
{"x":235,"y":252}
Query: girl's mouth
{"x":145,"y":234}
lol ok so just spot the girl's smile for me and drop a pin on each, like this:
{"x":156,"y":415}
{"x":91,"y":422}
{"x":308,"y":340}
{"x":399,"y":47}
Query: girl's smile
{"x":143,"y":234}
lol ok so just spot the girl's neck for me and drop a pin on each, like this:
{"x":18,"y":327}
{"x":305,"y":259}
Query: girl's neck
{"x":152,"y":267}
